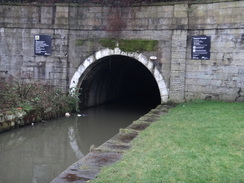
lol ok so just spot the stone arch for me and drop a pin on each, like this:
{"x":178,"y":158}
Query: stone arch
{"x":75,"y":81}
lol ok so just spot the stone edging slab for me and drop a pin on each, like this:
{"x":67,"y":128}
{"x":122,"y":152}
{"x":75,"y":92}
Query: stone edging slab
{"x":109,"y":152}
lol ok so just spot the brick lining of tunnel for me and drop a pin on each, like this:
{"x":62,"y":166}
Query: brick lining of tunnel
{"x":115,"y":78}
{"x":109,"y":75}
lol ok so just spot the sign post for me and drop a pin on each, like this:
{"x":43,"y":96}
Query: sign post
{"x":42,"y":45}
{"x":200,"y":49}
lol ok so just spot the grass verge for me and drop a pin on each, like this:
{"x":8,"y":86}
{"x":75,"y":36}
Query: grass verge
{"x":200,"y":141}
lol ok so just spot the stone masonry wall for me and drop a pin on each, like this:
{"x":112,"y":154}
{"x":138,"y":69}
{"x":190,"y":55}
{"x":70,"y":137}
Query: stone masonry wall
{"x":75,"y":32}
{"x":221,"y":77}
{"x":18,"y":25}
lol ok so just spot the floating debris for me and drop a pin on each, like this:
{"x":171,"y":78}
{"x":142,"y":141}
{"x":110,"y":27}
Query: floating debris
{"x":81,"y":115}
{"x":67,"y":114}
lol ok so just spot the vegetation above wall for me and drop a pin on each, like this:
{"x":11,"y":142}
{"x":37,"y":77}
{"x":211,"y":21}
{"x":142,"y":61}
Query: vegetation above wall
{"x":34,"y":97}
{"x":126,"y":45}
{"x":112,"y":2}
{"x":134,"y":45}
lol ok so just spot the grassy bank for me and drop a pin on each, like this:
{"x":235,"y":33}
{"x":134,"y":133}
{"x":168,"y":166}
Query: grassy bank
{"x":200,"y":141}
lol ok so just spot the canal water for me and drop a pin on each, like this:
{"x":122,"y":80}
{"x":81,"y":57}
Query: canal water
{"x":37,"y":154}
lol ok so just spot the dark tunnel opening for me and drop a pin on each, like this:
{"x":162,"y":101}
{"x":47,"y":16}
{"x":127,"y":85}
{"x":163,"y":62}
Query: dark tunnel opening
{"x":118,"y":79}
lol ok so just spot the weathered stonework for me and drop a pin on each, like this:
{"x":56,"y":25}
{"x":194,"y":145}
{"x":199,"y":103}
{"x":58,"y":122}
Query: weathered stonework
{"x":218,"y":78}
{"x":221,"y":77}
{"x":88,"y":167}
{"x":10,"y":120}
{"x":178,"y":64}
{"x":18,"y":117}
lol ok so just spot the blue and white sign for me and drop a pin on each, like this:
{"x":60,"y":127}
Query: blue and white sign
{"x":42,"y":45}
{"x":200,"y":47}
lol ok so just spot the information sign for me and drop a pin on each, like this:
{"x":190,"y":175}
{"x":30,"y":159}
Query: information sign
{"x":42,"y":45}
{"x":200,"y":47}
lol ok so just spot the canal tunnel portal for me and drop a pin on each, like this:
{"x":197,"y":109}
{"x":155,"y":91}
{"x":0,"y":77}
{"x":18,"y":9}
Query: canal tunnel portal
{"x":129,"y":78}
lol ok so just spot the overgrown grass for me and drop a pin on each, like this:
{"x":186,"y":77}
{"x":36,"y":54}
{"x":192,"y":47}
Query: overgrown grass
{"x":200,"y":141}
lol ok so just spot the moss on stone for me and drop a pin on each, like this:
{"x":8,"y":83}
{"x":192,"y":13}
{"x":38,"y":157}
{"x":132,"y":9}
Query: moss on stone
{"x":9,"y":113}
{"x":109,"y":43}
{"x":5,"y":126}
{"x":126,"y":130}
{"x":136,"y":45}
{"x":89,"y":43}
{"x":79,"y":42}
{"x":130,"y":45}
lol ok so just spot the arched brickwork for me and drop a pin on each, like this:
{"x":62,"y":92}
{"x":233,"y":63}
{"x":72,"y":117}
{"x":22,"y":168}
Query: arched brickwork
{"x":140,"y":57}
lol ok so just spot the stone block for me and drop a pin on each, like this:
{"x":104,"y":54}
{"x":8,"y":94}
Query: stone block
{"x":62,"y":12}
{"x":177,"y":74}
{"x":179,"y":43}
{"x":226,"y":5}
{"x":177,"y":81}
{"x":139,"y":23}
{"x":180,"y":10}
{"x":61,"y":22}
{"x":178,"y":55}
{"x":216,"y":82}
{"x":176,"y":97}
{"x":176,"y":87}
{"x":141,"y":14}
{"x":158,"y":22}
{"x":228,"y":97}
{"x":46,"y":15}
{"x":178,"y":67}
{"x":238,"y":56}
{"x":239,"y":99}
{"x":194,"y":88}
{"x":179,"y":34}
{"x":201,"y":82}
{"x":189,"y":96}
{"x":199,"y":75}
{"x":194,"y":67}
{"x":165,"y":11}
{"x":9,"y":117}
{"x":178,"y":61}
{"x":180,"y":22}
{"x":232,"y":69}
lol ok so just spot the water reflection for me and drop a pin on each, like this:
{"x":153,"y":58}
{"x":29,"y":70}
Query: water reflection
{"x":37,"y":154}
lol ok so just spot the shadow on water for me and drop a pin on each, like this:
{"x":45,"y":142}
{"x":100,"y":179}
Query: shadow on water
{"x":37,"y":154}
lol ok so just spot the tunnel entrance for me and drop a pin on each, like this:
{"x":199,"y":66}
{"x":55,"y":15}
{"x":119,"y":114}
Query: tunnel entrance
{"x":113,"y":75}
{"x":121,"y":79}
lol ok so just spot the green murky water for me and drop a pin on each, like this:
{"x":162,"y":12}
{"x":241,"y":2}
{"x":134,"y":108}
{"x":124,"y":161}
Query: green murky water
{"x":37,"y":154}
